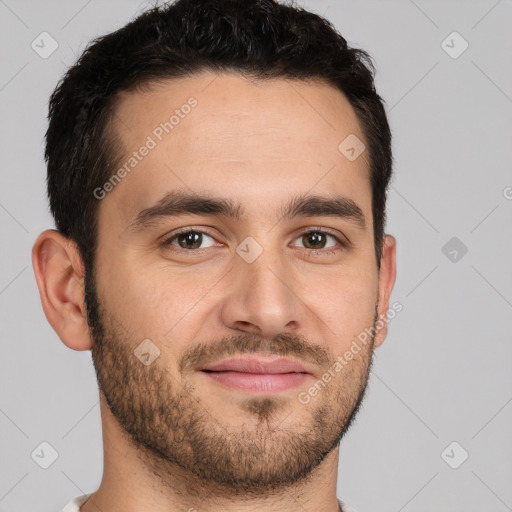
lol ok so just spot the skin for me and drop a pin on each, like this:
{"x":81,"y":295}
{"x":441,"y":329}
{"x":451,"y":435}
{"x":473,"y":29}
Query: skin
{"x":174,"y":440}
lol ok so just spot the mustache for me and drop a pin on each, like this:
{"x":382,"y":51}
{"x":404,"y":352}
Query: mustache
{"x":285,"y":344}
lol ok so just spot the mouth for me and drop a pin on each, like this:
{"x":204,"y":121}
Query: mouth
{"x":258,"y":375}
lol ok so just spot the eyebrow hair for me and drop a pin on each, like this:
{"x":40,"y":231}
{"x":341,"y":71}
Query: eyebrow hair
{"x":178,"y":203}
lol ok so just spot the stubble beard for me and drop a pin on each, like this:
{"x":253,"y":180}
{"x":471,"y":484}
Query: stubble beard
{"x":172,"y":429}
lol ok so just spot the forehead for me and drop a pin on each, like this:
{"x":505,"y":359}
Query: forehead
{"x":228,"y":135}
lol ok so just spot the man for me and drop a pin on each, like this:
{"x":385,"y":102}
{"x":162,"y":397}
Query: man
{"x":217,"y":171}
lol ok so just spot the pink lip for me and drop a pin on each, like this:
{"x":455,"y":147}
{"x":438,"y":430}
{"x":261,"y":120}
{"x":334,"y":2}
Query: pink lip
{"x":257,"y":374}
{"x":258,"y":365}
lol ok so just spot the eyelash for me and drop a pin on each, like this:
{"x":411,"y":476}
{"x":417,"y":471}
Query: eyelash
{"x":314,"y":252}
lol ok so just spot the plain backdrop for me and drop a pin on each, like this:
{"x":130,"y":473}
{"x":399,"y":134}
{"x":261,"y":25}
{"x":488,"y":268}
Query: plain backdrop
{"x":434,"y":431}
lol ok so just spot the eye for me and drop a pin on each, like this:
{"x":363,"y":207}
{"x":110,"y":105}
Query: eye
{"x":318,"y":238}
{"x":189,"y":240}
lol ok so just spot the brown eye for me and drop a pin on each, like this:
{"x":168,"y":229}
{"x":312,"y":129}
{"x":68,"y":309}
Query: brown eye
{"x":189,"y":240}
{"x":314,"y":240}
{"x":318,"y":239}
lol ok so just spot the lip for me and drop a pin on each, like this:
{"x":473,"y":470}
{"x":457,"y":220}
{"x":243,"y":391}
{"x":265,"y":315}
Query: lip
{"x":258,"y":365}
{"x":258,"y":375}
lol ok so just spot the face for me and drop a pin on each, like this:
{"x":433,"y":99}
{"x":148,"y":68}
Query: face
{"x":254,"y":267}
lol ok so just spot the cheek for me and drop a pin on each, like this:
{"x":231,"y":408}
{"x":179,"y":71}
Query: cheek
{"x":345,"y":304}
{"x":155,"y":302}
{"x":135,"y":298}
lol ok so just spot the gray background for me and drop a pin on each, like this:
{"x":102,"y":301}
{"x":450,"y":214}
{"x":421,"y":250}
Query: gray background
{"x":442,"y":375}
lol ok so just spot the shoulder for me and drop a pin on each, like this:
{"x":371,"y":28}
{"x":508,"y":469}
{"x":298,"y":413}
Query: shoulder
{"x":346,"y":508}
{"x":75,"y":503}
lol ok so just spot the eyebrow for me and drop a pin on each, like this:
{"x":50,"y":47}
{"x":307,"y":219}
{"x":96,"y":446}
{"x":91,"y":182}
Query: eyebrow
{"x":178,"y":203}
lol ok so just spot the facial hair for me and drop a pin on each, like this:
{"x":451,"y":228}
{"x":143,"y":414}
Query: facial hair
{"x":164,"y":418}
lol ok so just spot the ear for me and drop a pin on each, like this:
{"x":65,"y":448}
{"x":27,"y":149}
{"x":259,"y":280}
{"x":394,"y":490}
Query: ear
{"x":59,"y":272}
{"x":387,"y":276}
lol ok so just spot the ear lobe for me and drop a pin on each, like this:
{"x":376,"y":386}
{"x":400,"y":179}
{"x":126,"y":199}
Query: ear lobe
{"x":387,"y":277}
{"x":59,"y":273}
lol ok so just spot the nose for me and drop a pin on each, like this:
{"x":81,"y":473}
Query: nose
{"x":261,"y":299}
